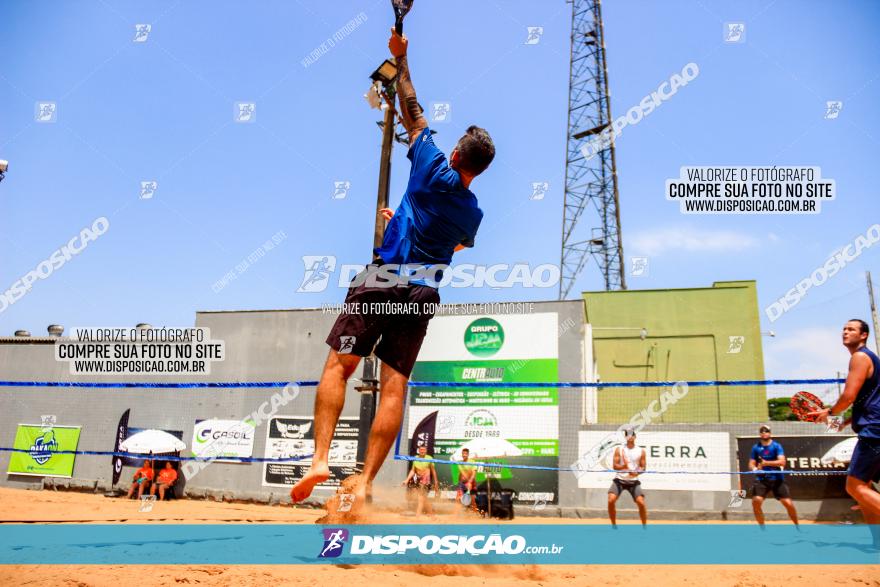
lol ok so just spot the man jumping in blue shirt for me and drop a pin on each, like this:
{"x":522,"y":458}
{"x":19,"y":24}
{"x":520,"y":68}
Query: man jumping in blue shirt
{"x":437,"y":216}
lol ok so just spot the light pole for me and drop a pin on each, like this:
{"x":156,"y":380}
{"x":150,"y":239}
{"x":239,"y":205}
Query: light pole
{"x":383,"y":86}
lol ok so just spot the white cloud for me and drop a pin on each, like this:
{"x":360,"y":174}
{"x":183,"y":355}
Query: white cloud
{"x":657,"y":242}
{"x":806,"y":353}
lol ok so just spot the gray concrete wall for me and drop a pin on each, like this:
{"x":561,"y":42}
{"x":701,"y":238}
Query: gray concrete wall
{"x":276,"y":345}
{"x":260,"y":346}
{"x":288,"y":345}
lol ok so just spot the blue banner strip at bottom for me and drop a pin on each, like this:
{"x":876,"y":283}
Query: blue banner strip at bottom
{"x":576,"y":544}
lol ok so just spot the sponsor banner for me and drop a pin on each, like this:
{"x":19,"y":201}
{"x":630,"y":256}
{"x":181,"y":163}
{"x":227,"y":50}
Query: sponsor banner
{"x":419,"y":544}
{"x":121,"y":434}
{"x":223,"y":438}
{"x":507,"y":422}
{"x":802,"y":453}
{"x":424,"y":435}
{"x":294,"y":436}
{"x":43,"y":445}
{"x":692,"y":455}
{"x":503,"y":337}
{"x":515,"y":348}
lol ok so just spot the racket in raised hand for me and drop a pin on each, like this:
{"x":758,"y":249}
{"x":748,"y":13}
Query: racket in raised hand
{"x":804,"y":402}
{"x":401,"y":8}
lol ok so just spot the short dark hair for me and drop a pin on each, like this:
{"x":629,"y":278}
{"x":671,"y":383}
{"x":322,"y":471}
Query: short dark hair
{"x":476,"y":149}
{"x":467,"y":450}
{"x":863,"y":326}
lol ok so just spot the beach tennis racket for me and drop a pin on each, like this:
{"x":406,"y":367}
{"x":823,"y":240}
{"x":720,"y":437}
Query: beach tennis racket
{"x":401,"y":8}
{"x":465,"y":499}
{"x":804,"y":402}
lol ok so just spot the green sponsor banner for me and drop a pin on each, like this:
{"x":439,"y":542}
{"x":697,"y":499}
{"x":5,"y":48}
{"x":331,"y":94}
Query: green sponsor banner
{"x":523,"y":370}
{"x":494,"y":350}
{"x":42,"y":446}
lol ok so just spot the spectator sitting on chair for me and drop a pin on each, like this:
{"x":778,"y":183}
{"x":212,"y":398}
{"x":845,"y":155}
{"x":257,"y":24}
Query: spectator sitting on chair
{"x":166,"y":480}
{"x":142,"y":480}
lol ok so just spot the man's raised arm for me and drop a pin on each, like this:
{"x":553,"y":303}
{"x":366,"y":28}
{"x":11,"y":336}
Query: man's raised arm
{"x":409,"y":109}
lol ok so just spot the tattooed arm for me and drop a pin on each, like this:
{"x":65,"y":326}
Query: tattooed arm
{"x":409,"y":108}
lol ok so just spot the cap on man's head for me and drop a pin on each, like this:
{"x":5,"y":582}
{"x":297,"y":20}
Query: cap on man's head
{"x":629,"y":431}
{"x":764,"y":428}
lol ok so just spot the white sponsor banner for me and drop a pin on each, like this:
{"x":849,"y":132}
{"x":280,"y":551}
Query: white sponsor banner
{"x":525,"y":336}
{"x":694,"y":454}
{"x":294,"y":437}
{"x":468,"y":422}
{"x":223,"y":438}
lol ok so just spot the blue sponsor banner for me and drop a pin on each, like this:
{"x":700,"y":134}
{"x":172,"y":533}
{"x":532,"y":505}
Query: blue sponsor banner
{"x":229,"y":544}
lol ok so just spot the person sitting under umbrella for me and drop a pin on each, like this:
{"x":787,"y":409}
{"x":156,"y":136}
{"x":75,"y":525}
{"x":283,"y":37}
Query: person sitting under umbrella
{"x":142,"y":480}
{"x":166,"y":480}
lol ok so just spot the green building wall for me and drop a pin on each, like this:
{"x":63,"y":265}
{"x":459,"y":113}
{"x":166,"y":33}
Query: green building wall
{"x":688,"y":339}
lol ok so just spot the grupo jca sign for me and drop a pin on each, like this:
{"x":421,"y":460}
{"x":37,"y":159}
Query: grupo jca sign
{"x":493,"y":349}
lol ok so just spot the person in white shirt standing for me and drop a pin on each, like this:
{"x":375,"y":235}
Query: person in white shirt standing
{"x":630,"y":461}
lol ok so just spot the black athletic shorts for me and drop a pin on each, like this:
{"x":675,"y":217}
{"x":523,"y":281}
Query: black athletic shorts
{"x":618,"y":486}
{"x":865,"y":462}
{"x":397,"y":317}
{"x":777,"y":486}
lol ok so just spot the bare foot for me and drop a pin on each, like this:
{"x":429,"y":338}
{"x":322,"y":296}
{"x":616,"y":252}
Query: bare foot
{"x":363,"y":491}
{"x":317,"y":474}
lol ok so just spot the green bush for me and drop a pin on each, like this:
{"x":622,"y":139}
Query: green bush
{"x":779,"y":410}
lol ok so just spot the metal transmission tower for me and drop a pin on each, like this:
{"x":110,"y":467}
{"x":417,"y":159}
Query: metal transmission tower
{"x":591,"y":177}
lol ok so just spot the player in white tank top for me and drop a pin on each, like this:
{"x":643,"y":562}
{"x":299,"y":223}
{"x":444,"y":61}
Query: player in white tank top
{"x":629,"y":462}
{"x":632,"y":458}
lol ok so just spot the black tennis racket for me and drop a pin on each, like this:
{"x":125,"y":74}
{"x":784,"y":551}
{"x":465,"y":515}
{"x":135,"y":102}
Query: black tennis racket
{"x":401,"y":8}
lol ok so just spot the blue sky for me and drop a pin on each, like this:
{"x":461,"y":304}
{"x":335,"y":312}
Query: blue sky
{"x":163,"y":110}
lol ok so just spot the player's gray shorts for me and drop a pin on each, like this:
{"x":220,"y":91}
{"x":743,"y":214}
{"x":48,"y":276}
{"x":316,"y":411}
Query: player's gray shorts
{"x":618,"y":486}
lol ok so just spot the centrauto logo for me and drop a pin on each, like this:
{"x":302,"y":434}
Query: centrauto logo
{"x":483,"y":337}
